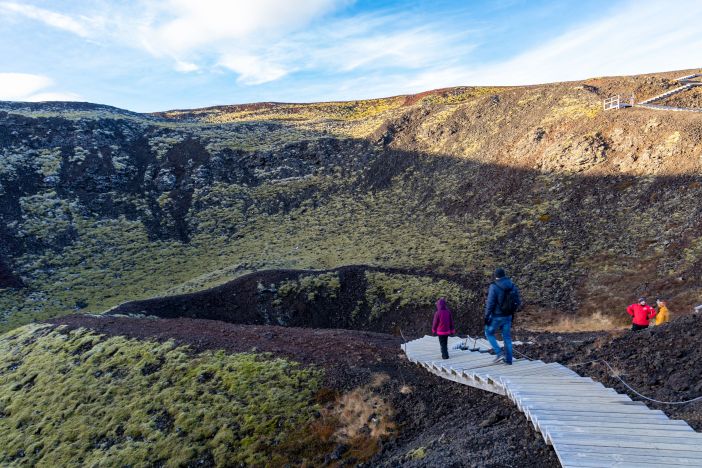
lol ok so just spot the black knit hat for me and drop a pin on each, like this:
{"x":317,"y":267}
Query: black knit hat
{"x":499,"y":273}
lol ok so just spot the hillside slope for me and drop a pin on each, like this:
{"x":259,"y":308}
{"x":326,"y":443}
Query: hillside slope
{"x":119,"y":391}
{"x":585,"y":208}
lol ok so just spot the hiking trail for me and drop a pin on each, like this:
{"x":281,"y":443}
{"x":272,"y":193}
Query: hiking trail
{"x":587,"y":423}
{"x":686,"y":82}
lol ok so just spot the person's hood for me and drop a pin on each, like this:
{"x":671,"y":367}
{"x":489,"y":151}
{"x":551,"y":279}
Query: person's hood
{"x":505,"y":282}
{"x":441,"y":304}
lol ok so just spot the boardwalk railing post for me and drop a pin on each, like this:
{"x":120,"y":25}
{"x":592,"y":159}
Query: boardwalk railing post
{"x":586,"y":423}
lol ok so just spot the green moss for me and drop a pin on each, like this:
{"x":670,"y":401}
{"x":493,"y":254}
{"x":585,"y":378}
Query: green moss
{"x":388,"y":291}
{"x":79,"y":154}
{"x":46,"y":161}
{"x":433,"y":216}
{"x":77,"y":398}
{"x":326,"y":284}
{"x":460,"y":95}
{"x":418,"y":453}
{"x":49,"y":161}
{"x":243,"y":229}
{"x":47,"y":217}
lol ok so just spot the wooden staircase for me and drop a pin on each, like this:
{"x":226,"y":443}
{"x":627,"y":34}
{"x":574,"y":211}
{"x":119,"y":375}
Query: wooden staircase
{"x":687,"y":82}
{"x":668,"y":93}
{"x":586,"y":423}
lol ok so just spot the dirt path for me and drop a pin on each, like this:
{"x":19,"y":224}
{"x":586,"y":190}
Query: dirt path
{"x":326,"y":347}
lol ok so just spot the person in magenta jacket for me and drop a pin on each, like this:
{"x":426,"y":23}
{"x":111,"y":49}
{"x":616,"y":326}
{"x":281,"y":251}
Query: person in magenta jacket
{"x":443,"y":326}
{"x":641,"y":313}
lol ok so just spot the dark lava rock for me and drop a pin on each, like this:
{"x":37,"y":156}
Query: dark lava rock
{"x":663,"y":363}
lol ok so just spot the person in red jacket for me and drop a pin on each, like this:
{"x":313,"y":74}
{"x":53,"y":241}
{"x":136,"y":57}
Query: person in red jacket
{"x":641,"y":313}
{"x":443,"y":326}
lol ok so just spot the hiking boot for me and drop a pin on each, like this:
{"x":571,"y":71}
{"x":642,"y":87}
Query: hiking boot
{"x":499,"y":357}
{"x":508,"y":363}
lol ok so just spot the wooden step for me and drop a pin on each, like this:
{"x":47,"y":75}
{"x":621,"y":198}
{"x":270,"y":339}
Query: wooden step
{"x":587,"y":423}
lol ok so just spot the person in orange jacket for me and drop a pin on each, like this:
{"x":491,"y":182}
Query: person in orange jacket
{"x":663,"y":314}
{"x":641,"y":313}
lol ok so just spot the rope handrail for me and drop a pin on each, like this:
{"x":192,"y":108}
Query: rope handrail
{"x":614,"y":374}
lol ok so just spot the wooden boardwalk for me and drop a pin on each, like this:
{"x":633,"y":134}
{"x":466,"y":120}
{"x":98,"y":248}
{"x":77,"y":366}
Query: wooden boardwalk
{"x":586,"y":423}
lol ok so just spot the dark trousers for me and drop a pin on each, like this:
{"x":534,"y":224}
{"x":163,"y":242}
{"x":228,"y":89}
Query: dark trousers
{"x":443,"y":342}
{"x":635,"y":327}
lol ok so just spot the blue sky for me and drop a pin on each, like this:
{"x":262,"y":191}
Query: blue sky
{"x":149,"y":55}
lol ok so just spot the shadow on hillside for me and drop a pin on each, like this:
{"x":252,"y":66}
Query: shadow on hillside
{"x":336,"y":298}
{"x":572,"y":241}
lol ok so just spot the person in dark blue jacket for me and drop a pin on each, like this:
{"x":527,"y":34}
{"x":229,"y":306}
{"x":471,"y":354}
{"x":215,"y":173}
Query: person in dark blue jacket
{"x":502,"y":301}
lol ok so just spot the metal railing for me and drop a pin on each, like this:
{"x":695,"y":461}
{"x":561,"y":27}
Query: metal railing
{"x":687,"y":78}
{"x":617,"y":102}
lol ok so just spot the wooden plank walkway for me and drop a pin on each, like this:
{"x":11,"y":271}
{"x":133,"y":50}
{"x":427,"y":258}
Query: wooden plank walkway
{"x":586,"y":423}
{"x":668,"y":108}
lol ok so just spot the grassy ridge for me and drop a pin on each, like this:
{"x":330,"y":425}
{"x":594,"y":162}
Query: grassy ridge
{"x":70,"y":398}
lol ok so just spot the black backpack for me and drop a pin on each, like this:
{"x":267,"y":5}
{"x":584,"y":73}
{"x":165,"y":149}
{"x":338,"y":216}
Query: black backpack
{"x":510,"y":300}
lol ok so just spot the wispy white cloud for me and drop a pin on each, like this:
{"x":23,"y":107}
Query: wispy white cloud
{"x":15,"y":86}
{"x":181,"y":26}
{"x":267,"y":40}
{"x":240,"y":36}
{"x":253,"y":70}
{"x":185,"y":67}
{"x":81,"y":26}
{"x":321,"y":50}
{"x":30,"y":87}
{"x":52,"y":96}
{"x":641,"y":37}
{"x":383,"y":41}
{"x":364,"y":45}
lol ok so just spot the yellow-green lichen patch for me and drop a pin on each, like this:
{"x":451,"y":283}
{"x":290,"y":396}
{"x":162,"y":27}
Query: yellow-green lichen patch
{"x":77,"y":398}
{"x":418,"y":453}
{"x":325,"y":284}
{"x":574,"y":107}
{"x":386,"y":291}
{"x":460,"y":94}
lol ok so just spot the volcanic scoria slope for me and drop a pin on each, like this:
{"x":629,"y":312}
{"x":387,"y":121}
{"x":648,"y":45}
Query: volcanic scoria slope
{"x":586,"y":208}
{"x":353,"y":215}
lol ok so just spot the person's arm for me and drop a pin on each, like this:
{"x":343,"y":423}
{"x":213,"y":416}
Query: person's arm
{"x":651,"y":313}
{"x":491,"y":301}
{"x":435,"y":324}
{"x":630,"y":310}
